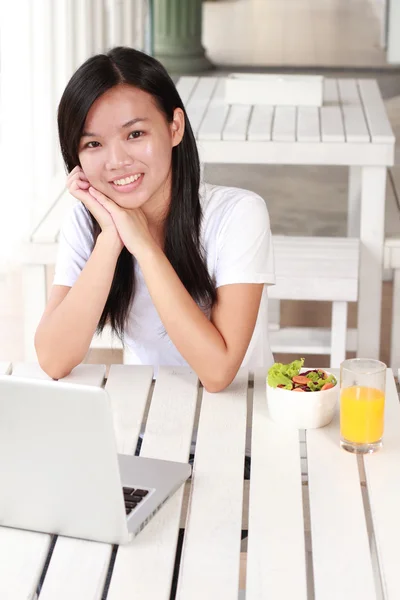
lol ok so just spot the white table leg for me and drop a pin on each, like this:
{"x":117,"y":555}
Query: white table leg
{"x":354,"y":202}
{"x":395,"y":345}
{"x":373,"y":188}
{"x":338,"y":333}
{"x":34,"y":298}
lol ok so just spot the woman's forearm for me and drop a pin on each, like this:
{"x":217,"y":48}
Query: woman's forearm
{"x":63,"y":337}
{"x":195,"y":337}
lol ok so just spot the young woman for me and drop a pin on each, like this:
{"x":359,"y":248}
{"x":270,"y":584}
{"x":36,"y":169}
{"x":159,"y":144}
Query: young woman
{"x":177,"y":268}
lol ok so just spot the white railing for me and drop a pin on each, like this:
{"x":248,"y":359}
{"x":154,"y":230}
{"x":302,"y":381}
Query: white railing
{"x":41,"y":44}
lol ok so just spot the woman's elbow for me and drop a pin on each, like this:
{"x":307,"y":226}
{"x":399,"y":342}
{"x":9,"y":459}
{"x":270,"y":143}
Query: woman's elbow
{"x":218,"y":382}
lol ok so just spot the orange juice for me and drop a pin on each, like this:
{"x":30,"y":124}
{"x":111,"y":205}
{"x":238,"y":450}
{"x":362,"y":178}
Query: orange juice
{"x":361,"y":414}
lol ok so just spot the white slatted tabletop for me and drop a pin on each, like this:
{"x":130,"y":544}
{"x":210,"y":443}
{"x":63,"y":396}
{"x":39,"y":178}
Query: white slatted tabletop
{"x":350,"y":128}
{"x":282,"y":509}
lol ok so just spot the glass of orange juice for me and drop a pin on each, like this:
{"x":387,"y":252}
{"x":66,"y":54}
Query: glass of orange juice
{"x":362,"y":404}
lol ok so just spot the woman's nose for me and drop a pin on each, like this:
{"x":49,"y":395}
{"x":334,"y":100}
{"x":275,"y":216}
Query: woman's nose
{"x":117,"y":158}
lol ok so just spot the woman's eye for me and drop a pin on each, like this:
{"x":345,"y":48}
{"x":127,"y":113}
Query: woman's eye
{"x":135,"y":134}
{"x":92,"y":145}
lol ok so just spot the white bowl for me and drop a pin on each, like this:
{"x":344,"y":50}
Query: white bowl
{"x":307,"y":410}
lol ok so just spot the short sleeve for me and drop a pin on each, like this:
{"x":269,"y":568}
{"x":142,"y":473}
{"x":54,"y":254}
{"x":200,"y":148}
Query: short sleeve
{"x":75,"y":246}
{"x":244,"y":246}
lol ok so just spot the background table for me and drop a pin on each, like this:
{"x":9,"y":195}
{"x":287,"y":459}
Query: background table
{"x":279,"y":510}
{"x":350,"y":129}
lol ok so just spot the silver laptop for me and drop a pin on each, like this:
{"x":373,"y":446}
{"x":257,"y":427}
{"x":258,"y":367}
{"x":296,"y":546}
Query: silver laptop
{"x":59,"y":469}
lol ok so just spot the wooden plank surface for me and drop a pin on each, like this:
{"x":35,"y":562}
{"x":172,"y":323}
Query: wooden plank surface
{"x":197,"y":104}
{"x":355,"y":125}
{"x":375,"y":111}
{"x":276,"y":566}
{"x":211,"y":551}
{"x":213,"y":122}
{"x":260,"y":126}
{"x":341,"y":556}
{"x":383,"y":481}
{"x":5,"y":368}
{"x":237,"y":123}
{"x":284,"y":126}
{"x":185,"y":87}
{"x":348,"y":91}
{"x":78,"y":568}
{"x":308,"y":126}
{"x":331,"y":92}
{"x":143,"y":568}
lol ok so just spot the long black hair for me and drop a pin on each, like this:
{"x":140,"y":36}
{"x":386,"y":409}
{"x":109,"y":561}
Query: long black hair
{"x":182,"y":227}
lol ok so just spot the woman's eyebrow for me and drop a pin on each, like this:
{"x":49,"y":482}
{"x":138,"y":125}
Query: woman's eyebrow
{"x":127,"y":124}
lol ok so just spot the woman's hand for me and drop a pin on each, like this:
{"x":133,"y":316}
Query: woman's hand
{"x":79,"y":187}
{"x":131,"y":224}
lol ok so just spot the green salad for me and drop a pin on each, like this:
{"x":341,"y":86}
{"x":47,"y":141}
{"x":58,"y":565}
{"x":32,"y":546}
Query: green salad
{"x":288,"y":377}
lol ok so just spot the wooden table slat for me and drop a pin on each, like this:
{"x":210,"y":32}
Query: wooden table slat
{"x":197,"y":105}
{"x":284,"y":126}
{"x":341,"y":556}
{"x":331,"y":92}
{"x":308,"y":126}
{"x":260,"y":126}
{"x":145,"y":566}
{"x":211,"y":551}
{"x":332,"y":129}
{"x":185,"y":87}
{"x":215,"y":116}
{"x":355,"y":125}
{"x":276,"y":565}
{"x":383,"y":481}
{"x":375,"y":111}
{"x":348,"y":91}
{"x":237,"y":122}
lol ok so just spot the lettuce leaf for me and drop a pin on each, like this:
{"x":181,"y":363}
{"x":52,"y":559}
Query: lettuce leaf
{"x":280,"y":374}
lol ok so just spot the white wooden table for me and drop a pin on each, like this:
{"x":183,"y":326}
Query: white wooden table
{"x":350,"y":129}
{"x":277,"y":515}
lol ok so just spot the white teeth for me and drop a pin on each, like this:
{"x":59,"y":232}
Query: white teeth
{"x":127,"y":180}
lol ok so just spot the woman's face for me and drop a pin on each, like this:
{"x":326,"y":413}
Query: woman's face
{"x":126,"y":147}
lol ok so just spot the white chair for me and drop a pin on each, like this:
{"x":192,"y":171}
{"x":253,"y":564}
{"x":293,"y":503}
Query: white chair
{"x":392,"y":261}
{"x":315,"y":268}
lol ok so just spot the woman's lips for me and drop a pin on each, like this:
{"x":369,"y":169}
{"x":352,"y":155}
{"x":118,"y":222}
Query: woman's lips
{"x":129,"y":187}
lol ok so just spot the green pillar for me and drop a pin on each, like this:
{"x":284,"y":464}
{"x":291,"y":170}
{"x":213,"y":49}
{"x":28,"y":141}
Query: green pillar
{"x":177,"y":27}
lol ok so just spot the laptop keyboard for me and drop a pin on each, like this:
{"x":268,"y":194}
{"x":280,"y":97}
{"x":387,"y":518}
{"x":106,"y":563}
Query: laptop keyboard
{"x":132,"y":497}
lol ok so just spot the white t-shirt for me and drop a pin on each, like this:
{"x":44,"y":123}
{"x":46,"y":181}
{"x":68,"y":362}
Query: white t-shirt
{"x":236,"y":238}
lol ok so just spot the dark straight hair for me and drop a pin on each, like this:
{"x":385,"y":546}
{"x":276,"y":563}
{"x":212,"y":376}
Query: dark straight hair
{"x":183,"y":223}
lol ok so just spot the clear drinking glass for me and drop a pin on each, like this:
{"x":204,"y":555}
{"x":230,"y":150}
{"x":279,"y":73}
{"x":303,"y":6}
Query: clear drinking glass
{"x":362,"y":404}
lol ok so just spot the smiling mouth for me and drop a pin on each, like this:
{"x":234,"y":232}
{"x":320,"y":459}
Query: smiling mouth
{"x":127,"y":180}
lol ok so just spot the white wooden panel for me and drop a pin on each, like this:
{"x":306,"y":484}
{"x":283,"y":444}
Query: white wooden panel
{"x":211,"y":551}
{"x":378,"y":122}
{"x":331,"y":93}
{"x":78,"y":568}
{"x":383,"y":481}
{"x":145,"y":566}
{"x":395,"y":343}
{"x":284,"y":127}
{"x":99,"y":26}
{"x":82,"y":374}
{"x":341,"y":555}
{"x":185,"y":87}
{"x":338,"y":334}
{"x":308,"y":128}
{"x":115,"y":26}
{"x":294,"y":153}
{"x":332,"y":129}
{"x":83,"y":30}
{"x":260,"y":127}
{"x":199,"y":99}
{"x":276,"y":565}
{"x":348,"y":91}
{"x":215,"y":116}
{"x":355,"y":125}
{"x":307,"y":340}
{"x":371,"y":260}
{"x":237,"y":123}
{"x":354,"y":202}
{"x":5,"y":368}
